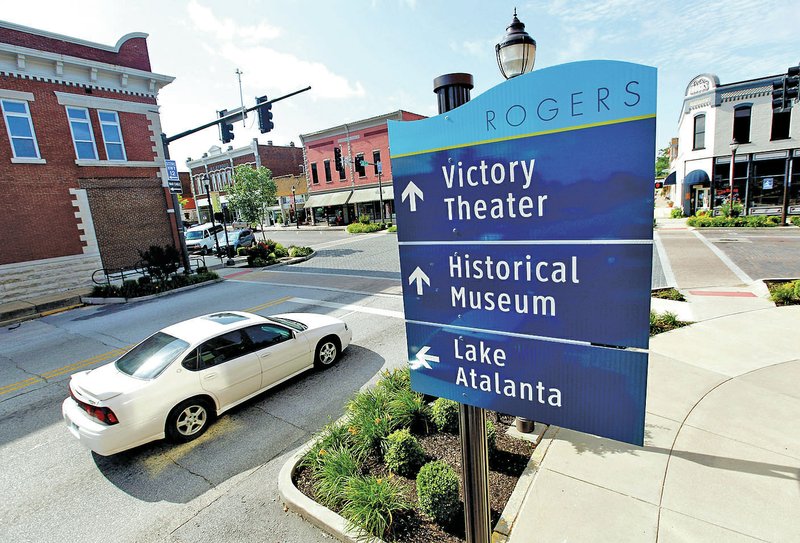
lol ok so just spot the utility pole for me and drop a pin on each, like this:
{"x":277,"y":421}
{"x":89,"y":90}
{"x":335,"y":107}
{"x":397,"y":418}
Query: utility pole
{"x":241,"y":96}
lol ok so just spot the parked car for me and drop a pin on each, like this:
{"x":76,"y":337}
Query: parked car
{"x":203,"y":238}
{"x":176,"y":381}
{"x":241,"y":238}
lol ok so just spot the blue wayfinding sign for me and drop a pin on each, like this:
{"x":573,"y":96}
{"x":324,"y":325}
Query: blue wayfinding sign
{"x":526,"y":228}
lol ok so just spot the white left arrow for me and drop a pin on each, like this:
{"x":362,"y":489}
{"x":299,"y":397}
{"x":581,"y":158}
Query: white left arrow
{"x":423,"y":358}
{"x":419,"y":276}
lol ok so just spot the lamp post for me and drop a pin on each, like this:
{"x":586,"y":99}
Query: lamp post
{"x":734,"y":145}
{"x":211,"y":214}
{"x":294,"y":210}
{"x":517,"y":52}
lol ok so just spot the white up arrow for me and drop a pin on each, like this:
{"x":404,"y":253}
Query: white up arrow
{"x":412,"y":192}
{"x":419,"y":276}
{"x":423,"y":358}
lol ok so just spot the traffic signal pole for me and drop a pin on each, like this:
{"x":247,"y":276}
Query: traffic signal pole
{"x":166,"y":140}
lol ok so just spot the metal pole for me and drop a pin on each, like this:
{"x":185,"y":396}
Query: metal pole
{"x":380,"y":194}
{"x":211,"y":213}
{"x":733,"y":159}
{"x":294,"y":209}
{"x":241,"y":96}
{"x":453,"y":90}
{"x":176,"y":206}
{"x":787,"y":178}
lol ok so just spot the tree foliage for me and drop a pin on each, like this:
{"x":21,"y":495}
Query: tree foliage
{"x":662,"y":162}
{"x":252,"y":192}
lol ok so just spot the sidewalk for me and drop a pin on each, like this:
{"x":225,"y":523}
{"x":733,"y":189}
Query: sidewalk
{"x":721,"y":460}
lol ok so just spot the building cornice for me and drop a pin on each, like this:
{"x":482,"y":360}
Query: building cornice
{"x":24,"y":62}
{"x":70,"y":39}
{"x":351,"y":127}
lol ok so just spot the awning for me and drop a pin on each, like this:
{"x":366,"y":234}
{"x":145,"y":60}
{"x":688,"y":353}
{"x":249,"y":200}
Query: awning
{"x":328,"y":199}
{"x":372,"y":194}
{"x":670,"y":180}
{"x":696,"y":177}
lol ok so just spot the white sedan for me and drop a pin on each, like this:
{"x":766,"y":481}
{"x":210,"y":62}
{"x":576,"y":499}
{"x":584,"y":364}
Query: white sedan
{"x":174,"y":382}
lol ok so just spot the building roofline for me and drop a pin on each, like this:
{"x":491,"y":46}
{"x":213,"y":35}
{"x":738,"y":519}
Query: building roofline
{"x":356,"y":125}
{"x":44,"y":33}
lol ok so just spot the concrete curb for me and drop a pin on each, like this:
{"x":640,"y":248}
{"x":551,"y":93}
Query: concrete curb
{"x":105,"y":301}
{"x":334,"y":524}
{"x":23,"y":310}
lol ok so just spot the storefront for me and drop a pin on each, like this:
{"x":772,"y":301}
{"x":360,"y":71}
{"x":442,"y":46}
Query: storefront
{"x":368,"y":202}
{"x":331,"y":208}
{"x":759,"y":182}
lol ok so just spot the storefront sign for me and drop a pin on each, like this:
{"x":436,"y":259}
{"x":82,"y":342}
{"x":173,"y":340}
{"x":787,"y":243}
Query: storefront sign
{"x":526,"y":246}
{"x":767,"y":183}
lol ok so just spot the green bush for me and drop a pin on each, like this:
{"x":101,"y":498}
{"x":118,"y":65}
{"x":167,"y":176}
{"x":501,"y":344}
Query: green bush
{"x":795,"y":221}
{"x":676,"y":213}
{"x":259,"y":262}
{"x":161,"y":262}
{"x":260,"y":251}
{"x":437,"y":491}
{"x":281,"y":251}
{"x":364,"y":219}
{"x":797,"y":289}
{"x":409,"y":410}
{"x":392,"y":228}
{"x":359,"y":228}
{"x":295,"y":251}
{"x":783,"y":294}
{"x":144,"y":280}
{"x":241,"y":251}
{"x":371,"y":503}
{"x":333,"y":436}
{"x":753,"y":221}
{"x":130,"y":289}
{"x":332,"y":473}
{"x":445,"y":415}
{"x":395,"y":380}
{"x":404,"y":454}
{"x":370,"y":420}
{"x":491,"y":437}
{"x":105,"y":291}
{"x":667,"y":294}
{"x":664,"y":322}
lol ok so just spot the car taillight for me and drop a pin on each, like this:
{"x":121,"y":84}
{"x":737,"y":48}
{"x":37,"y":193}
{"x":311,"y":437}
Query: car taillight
{"x":103,"y":414}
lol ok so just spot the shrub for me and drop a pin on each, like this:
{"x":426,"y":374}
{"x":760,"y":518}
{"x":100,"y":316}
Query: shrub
{"x":333,"y":436}
{"x":795,"y":221}
{"x":437,"y":491}
{"x":359,"y":228}
{"x":145,"y":280}
{"x":667,"y":294}
{"x":491,"y":437}
{"x":371,"y":503}
{"x":445,"y":415}
{"x":370,"y":421}
{"x":295,"y":251}
{"x":364,"y":219}
{"x":676,"y":213}
{"x":395,"y":380}
{"x":409,"y":410}
{"x":241,"y":251}
{"x":260,"y":250}
{"x":201,"y":269}
{"x":404,"y":454}
{"x":664,"y":322}
{"x":392,"y":228}
{"x":332,"y":473}
{"x":785,"y":293}
{"x":281,"y":251}
{"x":105,"y":291}
{"x":797,"y":290}
{"x":130,"y":289}
{"x":161,"y":262}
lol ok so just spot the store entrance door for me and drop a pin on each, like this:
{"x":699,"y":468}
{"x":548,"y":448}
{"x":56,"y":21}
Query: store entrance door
{"x":701,"y":198}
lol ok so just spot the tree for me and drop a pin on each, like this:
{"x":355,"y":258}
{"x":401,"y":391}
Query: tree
{"x":662,"y":162}
{"x":252,"y":192}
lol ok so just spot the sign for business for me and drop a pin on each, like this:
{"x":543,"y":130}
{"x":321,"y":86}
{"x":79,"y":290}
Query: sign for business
{"x":173,"y":180}
{"x":526,"y":246}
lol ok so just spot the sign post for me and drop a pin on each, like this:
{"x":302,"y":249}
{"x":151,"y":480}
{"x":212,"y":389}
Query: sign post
{"x":526,"y":247}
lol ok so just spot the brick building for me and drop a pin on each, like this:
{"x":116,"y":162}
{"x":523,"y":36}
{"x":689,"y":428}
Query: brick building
{"x":215,"y":168}
{"x":341,"y":196}
{"x":288,"y":186}
{"x":80,"y":157}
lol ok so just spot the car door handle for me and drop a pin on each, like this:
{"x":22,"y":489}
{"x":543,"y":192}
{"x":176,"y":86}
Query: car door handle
{"x":209,"y":376}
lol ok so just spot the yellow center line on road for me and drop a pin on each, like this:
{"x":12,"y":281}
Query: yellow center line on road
{"x":81,"y":364}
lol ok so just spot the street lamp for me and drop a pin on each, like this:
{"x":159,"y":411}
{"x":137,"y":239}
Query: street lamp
{"x":734,"y":145}
{"x":294,"y":210}
{"x":517,"y":52}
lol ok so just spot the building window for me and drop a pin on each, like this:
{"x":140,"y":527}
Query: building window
{"x":699,"y":132}
{"x":741,"y":124}
{"x":360,"y":170}
{"x":112,"y":135}
{"x":328,"y":177}
{"x":82,"y":135}
{"x":376,"y":159}
{"x":20,"y":129}
{"x":314,"y":175}
{"x":780,"y":125}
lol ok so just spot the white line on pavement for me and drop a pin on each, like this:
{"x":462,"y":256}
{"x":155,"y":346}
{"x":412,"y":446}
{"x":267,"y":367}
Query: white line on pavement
{"x":666,"y":267}
{"x":725,"y":260}
{"x":350,"y":307}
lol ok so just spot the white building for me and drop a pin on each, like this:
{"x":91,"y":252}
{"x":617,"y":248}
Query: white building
{"x":767,"y":156}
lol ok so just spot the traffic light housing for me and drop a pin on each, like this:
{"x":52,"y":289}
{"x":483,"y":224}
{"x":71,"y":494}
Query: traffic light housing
{"x":337,"y":159}
{"x":225,"y":128}
{"x":265,"y":123}
{"x":785,"y":91}
{"x":659,"y":185}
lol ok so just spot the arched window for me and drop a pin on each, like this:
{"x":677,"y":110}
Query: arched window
{"x":699,"y":132}
{"x":741,"y":123}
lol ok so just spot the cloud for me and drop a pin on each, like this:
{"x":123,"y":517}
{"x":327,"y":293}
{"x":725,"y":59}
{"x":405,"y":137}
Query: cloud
{"x":226,"y":29}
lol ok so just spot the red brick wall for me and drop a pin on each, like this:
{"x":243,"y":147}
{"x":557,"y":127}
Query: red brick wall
{"x":281,"y":160}
{"x":36,"y":196}
{"x":132,"y":53}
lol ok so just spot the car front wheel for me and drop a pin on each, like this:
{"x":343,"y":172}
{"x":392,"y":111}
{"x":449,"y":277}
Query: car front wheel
{"x":188,"y":420}
{"x":327,"y":351}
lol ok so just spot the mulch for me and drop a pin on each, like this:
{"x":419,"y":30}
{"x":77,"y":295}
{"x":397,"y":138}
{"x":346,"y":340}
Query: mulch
{"x":505,"y":467}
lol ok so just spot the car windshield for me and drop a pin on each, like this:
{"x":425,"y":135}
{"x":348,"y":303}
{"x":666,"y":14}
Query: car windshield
{"x":299,"y":326}
{"x":197,"y":234}
{"x":148,"y":359}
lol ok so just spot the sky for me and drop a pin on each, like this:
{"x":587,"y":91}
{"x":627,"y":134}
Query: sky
{"x":364,"y":58}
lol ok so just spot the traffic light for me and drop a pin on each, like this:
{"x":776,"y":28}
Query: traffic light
{"x":659,"y":185}
{"x":337,"y":159}
{"x":225,"y":127}
{"x":265,"y":123}
{"x":785,"y":91}
{"x":777,"y":95}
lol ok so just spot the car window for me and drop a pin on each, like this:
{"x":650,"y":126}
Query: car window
{"x":148,"y":359}
{"x":221,"y":349}
{"x":264,"y":335}
{"x":245,"y":233}
{"x":190,"y":361}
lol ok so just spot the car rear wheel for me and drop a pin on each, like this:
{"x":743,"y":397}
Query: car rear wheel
{"x":327,"y":351}
{"x":188,"y":420}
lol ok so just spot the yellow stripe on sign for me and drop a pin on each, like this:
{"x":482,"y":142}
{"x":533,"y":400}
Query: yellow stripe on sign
{"x":257,"y":308}
{"x":530,"y":135}
{"x":58,"y":372}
